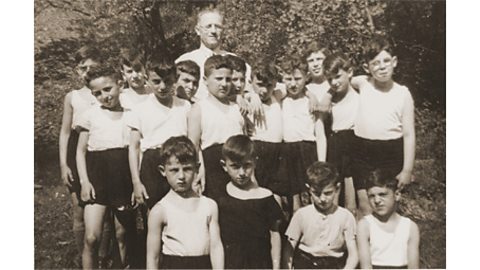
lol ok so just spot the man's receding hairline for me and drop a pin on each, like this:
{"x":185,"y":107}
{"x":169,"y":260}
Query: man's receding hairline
{"x":209,"y":11}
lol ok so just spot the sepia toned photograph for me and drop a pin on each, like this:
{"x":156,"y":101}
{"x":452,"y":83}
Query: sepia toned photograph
{"x":228,"y":134}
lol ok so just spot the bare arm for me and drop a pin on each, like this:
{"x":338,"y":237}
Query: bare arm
{"x":276,"y":243}
{"x":358,"y":81}
{"x":88,"y":193}
{"x":363,"y":243}
{"x":154,"y":237}
{"x":413,"y":247}
{"x":408,"y":126}
{"x":352,"y":259}
{"x":313,"y":102}
{"x":287,"y":256}
{"x":216,"y":246}
{"x":321,"y":140}
{"x":194,"y":124}
{"x":139,"y":191}
{"x":65,"y":171}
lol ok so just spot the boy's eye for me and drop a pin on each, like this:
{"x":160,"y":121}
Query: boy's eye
{"x":156,"y":81}
{"x":107,"y":89}
{"x":96,"y":93}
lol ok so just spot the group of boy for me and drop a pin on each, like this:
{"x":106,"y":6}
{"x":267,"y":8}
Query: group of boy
{"x":210,"y":95}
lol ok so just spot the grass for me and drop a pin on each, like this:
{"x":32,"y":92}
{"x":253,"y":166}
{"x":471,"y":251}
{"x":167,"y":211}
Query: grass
{"x":423,"y":201}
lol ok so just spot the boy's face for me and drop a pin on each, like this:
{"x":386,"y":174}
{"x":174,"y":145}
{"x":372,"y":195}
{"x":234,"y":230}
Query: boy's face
{"x":324,"y":199}
{"x":179,"y":175}
{"x":209,"y":28}
{"x":187,"y":85}
{"x":238,"y":82}
{"x":340,"y":81}
{"x":381,"y":67}
{"x":159,"y":87}
{"x":315,"y":61}
{"x":240,"y":172}
{"x":295,"y":82}
{"x":84,"y":66}
{"x":383,"y":200}
{"x":135,"y":77}
{"x":106,"y":90}
{"x":263,"y":89}
{"x":219,"y":82}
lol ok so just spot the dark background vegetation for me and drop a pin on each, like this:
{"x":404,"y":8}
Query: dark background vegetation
{"x":253,"y":29}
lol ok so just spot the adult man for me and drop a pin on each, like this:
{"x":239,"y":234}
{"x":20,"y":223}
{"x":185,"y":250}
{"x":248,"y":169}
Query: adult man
{"x":209,"y":28}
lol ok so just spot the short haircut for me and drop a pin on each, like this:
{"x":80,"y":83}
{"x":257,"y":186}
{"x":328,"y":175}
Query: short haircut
{"x":334,"y":63}
{"x":289,"y":64}
{"x":237,"y":63}
{"x":132,"y":58}
{"x":382,"y":178}
{"x":376,"y":45}
{"x":189,"y":67}
{"x":317,"y":46}
{"x":238,"y":148}
{"x":180,"y":147}
{"x":321,"y":174}
{"x":216,"y":62}
{"x":266,"y":73}
{"x":165,"y":69}
{"x":87,"y":52}
{"x":206,"y":11}
{"x":103,"y":71}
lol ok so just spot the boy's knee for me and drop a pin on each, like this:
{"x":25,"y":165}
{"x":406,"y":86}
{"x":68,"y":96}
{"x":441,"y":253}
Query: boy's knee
{"x":91,"y":239}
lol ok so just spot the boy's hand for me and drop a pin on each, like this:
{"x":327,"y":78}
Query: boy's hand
{"x":313,"y":104}
{"x":88,"y":192}
{"x":404,"y":178}
{"x":67,"y":176}
{"x":139,"y":194}
{"x":256,"y":109}
{"x":243,"y":104}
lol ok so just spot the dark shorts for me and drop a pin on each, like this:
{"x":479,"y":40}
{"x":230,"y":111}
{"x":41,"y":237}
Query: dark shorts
{"x":109,"y":173}
{"x":155,"y":183}
{"x":216,"y":178}
{"x":296,"y":157}
{"x":304,"y":260}
{"x":185,"y":262}
{"x":72,"y":162}
{"x":370,"y":155}
{"x":339,"y":151}
{"x":268,"y":162}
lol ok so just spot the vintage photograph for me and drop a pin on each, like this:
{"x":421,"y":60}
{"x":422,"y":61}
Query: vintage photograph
{"x":228,"y":134}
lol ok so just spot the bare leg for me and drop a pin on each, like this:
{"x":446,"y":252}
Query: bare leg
{"x":363,"y":204}
{"x":296,"y":203}
{"x":93,"y":217}
{"x":105,"y":249}
{"x":350,"y":203}
{"x":78,"y":224}
{"x":125,"y":232}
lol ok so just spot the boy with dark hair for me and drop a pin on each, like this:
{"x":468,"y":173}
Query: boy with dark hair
{"x":385,"y":238}
{"x":188,"y":76}
{"x":319,"y":235}
{"x":183,"y":230}
{"x":132,"y":65}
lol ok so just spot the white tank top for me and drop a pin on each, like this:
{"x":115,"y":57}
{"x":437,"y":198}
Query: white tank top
{"x":389,"y":249}
{"x":380,"y":113}
{"x":186,"y":233}
{"x":129,"y":98}
{"x":319,"y":90}
{"x":272,"y":128}
{"x":80,"y":102}
{"x":219,"y":121}
{"x":298,"y":122}
{"x":157,"y":123}
{"x":345,"y":111}
{"x":106,"y":129}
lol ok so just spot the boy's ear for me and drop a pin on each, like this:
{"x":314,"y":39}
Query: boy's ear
{"x":394,"y":61}
{"x":224,"y":165}
{"x":350,"y":72}
{"x":398,"y":195}
{"x":365,"y":68}
{"x":197,"y":166}
{"x":161,"y":169}
{"x":204,"y":78}
{"x":338,"y":185}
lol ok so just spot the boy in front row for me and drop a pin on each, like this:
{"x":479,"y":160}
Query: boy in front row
{"x":318,"y":233}
{"x":385,"y":238}
{"x":183,"y":230}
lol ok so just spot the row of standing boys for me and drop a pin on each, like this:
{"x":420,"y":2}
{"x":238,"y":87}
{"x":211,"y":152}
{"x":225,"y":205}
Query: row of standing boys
{"x":238,"y":178}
